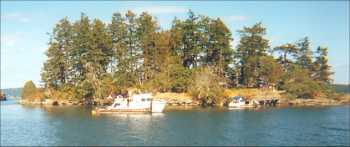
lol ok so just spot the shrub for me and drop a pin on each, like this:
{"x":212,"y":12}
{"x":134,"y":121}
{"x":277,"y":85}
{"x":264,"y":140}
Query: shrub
{"x":299,"y":84}
{"x":303,"y":89}
{"x":205,"y":87}
{"x":180,"y":78}
{"x":29,"y":90}
{"x":84,"y":90}
{"x":161,"y":82}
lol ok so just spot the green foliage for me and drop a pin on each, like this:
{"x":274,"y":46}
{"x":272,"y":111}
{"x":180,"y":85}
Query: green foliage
{"x":270,"y":71}
{"x":206,"y":87}
{"x":101,"y":44}
{"x":175,"y":79}
{"x":147,"y":34}
{"x":117,"y":31}
{"x":91,"y":59}
{"x":249,"y":71}
{"x":200,"y":41}
{"x":107,"y":86}
{"x":67,"y":92}
{"x":180,"y":78}
{"x":285,"y":50}
{"x":124,"y":80}
{"x":85,"y":90}
{"x":251,"y":47}
{"x":304,"y":55}
{"x":190,"y":47}
{"x":29,"y":90}
{"x":55,"y":71}
{"x":321,"y":69}
{"x":301,"y":85}
{"x":220,"y":53}
{"x":304,"y":89}
{"x":81,"y":44}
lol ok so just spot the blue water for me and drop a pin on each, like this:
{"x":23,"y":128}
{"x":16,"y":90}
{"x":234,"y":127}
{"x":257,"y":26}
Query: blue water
{"x":34,"y":125}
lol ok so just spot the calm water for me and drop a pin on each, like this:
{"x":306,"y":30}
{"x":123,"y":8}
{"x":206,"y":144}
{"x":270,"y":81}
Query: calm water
{"x":24,"y":125}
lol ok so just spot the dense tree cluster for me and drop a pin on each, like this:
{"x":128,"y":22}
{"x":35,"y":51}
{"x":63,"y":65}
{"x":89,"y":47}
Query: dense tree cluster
{"x":90,"y":59}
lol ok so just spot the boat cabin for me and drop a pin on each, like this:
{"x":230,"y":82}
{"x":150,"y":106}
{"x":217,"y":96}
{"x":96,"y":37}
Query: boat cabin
{"x":238,"y":99}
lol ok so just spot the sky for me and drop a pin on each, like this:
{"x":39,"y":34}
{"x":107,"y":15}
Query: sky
{"x":25,"y":26}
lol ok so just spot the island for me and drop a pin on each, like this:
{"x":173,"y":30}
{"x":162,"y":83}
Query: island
{"x":192,"y":63}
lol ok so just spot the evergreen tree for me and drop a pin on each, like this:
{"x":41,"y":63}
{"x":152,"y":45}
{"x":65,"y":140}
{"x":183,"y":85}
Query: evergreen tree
{"x":203,"y":40}
{"x":56,"y":68}
{"x":133,"y":48}
{"x":200,"y":40}
{"x":89,"y":59}
{"x":270,"y":71}
{"x":128,"y":50}
{"x":251,"y":47}
{"x":221,"y":53}
{"x":80,"y":47}
{"x":304,"y":55}
{"x":172,"y":75}
{"x":99,"y":55}
{"x":285,"y":50}
{"x":322,"y":71}
{"x":147,"y":28}
{"x":118,"y":31}
{"x":190,"y":39}
{"x":101,"y":46}
{"x":163,"y":51}
{"x":121,"y":66}
{"x":176,"y":34}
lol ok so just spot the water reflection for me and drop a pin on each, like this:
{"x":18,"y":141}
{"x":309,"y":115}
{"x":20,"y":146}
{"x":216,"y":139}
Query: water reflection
{"x":36,"y":125}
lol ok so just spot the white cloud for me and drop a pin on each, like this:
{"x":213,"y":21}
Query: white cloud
{"x":19,"y":17}
{"x":237,"y":18}
{"x":160,"y":9}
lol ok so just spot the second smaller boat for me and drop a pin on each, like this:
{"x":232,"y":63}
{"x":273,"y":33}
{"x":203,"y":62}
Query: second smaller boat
{"x":240,"y":102}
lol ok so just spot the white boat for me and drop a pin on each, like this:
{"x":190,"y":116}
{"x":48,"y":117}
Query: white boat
{"x":240,"y":102}
{"x":136,"y":103}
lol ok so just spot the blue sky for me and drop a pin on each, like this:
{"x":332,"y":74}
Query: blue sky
{"x":25,"y":24}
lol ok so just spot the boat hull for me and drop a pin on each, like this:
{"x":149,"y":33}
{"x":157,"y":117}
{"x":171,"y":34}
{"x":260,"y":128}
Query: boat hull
{"x":155,"y":107}
{"x":122,"y":110}
{"x":240,"y":105}
{"x":158,"y":106}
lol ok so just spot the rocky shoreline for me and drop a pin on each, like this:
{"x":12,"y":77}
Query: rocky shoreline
{"x":314,"y":102}
{"x":189,"y":102}
{"x":103,"y":102}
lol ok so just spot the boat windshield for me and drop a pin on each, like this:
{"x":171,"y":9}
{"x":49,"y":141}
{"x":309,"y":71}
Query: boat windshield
{"x":238,"y":99}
